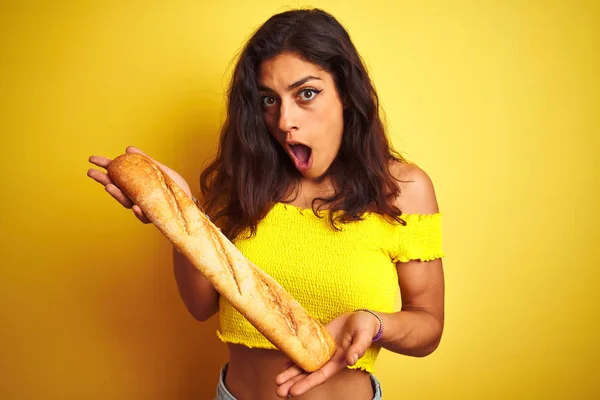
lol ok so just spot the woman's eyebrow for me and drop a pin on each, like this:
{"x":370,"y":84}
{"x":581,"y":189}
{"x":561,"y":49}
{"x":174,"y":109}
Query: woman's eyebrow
{"x":293,"y":85}
{"x":303,"y":81}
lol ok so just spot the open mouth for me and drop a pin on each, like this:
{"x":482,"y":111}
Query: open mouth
{"x":301,"y":155}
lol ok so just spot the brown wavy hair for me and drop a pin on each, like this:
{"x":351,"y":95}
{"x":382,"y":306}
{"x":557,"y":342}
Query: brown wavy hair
{"x":251,"y":171}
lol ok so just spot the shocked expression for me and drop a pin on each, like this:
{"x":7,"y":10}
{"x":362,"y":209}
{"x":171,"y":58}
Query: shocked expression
{"x":302,"y":111}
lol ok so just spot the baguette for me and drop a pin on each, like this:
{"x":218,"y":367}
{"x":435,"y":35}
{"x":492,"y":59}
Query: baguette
{"x":257,"y":296}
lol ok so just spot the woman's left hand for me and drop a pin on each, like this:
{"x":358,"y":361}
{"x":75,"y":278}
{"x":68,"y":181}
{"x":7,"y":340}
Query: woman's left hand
{"x":353,"y":334}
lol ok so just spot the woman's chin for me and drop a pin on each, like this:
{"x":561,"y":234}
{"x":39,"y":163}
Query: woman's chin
{"x":314,"y":174}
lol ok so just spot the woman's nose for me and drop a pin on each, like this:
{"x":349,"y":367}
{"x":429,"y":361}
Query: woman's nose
{"x":287,"y":118}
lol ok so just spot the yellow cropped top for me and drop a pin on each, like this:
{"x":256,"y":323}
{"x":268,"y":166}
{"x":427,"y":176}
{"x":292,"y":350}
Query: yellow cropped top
{"x":332,"y":272}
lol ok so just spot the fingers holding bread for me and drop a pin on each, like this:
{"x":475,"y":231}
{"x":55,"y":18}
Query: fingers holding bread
{"x":111,"y":188}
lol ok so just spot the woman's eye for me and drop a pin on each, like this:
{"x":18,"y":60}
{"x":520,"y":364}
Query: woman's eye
{"x":308,"y":94}
{"x":268,"y":101}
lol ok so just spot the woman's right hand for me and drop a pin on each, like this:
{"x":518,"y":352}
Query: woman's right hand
{"x":103,"y":178}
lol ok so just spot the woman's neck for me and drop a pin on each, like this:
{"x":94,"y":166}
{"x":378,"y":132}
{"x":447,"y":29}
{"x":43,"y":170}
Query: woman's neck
{"x":303,"y":194}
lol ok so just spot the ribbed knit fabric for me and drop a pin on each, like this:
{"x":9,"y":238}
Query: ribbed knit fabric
{"x":332,"y":272}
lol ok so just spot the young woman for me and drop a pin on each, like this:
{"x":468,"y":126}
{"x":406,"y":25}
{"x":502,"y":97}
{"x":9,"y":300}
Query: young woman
{"x":307,"y":187}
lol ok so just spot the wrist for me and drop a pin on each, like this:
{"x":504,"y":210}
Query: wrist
{"x":379,"y":331}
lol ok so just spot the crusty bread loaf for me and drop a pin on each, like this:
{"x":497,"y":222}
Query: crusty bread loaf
{"x":258,"y":297}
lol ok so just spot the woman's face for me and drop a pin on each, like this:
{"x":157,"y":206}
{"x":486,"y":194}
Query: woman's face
{"x":303,"y":112}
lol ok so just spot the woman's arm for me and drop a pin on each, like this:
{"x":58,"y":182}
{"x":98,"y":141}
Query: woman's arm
{"x":416,"y":330}
{"x":198,"y":294}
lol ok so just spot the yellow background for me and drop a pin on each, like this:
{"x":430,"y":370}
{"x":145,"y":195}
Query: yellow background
{"x":497,"y":101}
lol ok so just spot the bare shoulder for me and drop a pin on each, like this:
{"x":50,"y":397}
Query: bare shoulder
{"x":417,"y":194}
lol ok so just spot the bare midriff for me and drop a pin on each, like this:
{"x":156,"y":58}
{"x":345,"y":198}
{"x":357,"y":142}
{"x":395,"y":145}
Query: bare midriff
{"x":251,"y":376}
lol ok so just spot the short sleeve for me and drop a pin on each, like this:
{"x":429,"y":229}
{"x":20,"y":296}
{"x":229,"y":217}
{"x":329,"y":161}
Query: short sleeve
{"x":420,"y":239}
